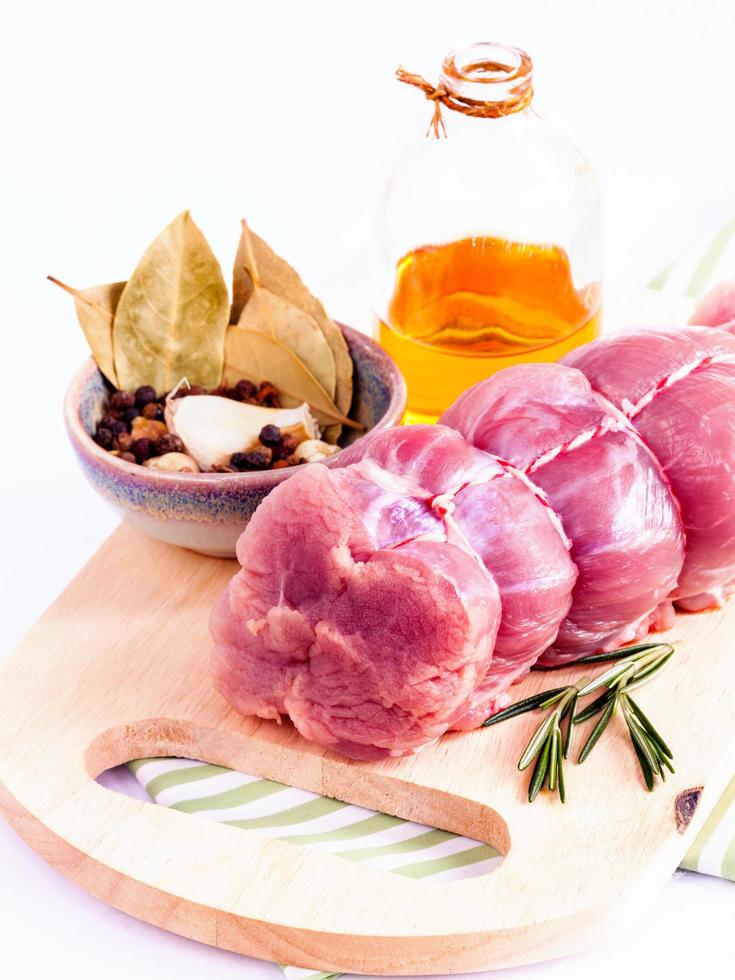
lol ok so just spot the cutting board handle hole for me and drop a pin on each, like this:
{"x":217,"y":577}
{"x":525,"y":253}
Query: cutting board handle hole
{"x":214,"y":788}
{"x":305,"y":819}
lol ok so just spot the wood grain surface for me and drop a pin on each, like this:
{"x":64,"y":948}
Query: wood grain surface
{"x":118,"y":669}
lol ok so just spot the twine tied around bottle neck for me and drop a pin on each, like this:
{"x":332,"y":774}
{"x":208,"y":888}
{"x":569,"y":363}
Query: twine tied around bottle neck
{"x":441,"y":95}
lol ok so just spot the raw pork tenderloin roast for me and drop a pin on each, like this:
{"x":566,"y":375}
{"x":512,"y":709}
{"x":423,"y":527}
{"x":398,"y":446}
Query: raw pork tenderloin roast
{"x":557,"y":510}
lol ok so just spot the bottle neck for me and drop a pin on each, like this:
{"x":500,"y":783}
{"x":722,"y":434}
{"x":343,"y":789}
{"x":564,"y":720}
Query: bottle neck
{"x":487,"y":80}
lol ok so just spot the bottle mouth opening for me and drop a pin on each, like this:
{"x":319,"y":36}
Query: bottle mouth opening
{"x":488,"y":72}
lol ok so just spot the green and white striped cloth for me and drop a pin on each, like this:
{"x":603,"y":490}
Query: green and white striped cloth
{"x":271,"y":809}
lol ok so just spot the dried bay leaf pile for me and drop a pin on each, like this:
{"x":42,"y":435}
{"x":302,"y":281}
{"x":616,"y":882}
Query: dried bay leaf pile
{"x":173,"y":320}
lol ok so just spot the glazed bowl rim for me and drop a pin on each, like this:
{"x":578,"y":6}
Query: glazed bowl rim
{"x":256,"y":478}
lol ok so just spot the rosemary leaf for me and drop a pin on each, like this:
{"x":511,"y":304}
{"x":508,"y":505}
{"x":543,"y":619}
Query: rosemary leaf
{"x":639,"y":738}
{"x":597,"y":705}
{"x":645,"y":768}
{"x":597,"y":731}
{"x":571,"y":711}
{"x":553,"y":698}
{"x":625,"y":676}
{"x":537,"y":741}
{"x":605,"y":679}
{"x":567,"y":703}
{"x":539,"y":773}
{"x":602,"y":658}
{"x":622,"y":653}
{"x":650,"y":730}
{"x":520,"y":707}
{"x":554,"y":756}
{"x":647,"y":672}
{"x":668,"y":763}
{"x":562,"y":787}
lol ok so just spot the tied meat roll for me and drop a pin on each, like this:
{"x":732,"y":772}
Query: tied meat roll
{"x":603,"y":483}
{"x":364,"y":613}
{"x":356,"y":613}
{"x":507,"y":523}
{"x":558,"y":510}
{"x":677,"y":388}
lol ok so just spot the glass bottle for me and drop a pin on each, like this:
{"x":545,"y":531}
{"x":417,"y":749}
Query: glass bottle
{"x":488,"y":242}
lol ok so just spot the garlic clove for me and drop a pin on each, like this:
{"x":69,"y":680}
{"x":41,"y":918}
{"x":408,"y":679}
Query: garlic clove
{"x":314,"y":450}
{"x":212,"y":428}
{"x":173,"y":463}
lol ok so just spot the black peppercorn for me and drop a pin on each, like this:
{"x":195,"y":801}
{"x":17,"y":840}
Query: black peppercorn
{"x":245,"y":389}
{"x":169,"y":443}
{"x":122,"y":441}
{"x":103,"y":437}
{"x":255,"y":459}
{"x":131,"y":413}
{"x":267,"y":394}
{"x":142,"y":449}
{"x":108,"y":421}
{"x":193,"y":390}
{"x":122,"y":400}
{"x":143,"y":395}
{"x":270,"y":435}
{"x":223,"y":391}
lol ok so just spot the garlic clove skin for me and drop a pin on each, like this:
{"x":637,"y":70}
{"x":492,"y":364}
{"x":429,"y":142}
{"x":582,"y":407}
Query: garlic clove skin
{"x":173,"y":463}
{"x":314,"y":450}
{"x":212,"y":428}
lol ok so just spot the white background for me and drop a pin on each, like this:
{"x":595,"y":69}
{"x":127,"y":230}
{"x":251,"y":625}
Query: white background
{"x":115,"y":116}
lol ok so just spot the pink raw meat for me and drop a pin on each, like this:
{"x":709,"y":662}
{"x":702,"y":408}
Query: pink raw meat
{"x":372,"y":646}
{"x":677,"y":386}
{"x":369,"y":598}
{"x":511,"y":527}
{"x":717,"y":308}
{"x":604,"y":485}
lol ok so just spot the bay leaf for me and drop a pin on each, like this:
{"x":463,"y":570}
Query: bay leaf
{"x":172,"y":316}
{"x":268,"y":313}
{"x":275,"y":274}
{"x":95,"y":308}
{"x":242,"y":277}
{"x":258,"y":356}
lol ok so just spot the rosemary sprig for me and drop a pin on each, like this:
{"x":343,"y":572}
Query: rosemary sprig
{"x":547,"y":745}
{"x":632,"y":666}
{"x":653,"y":754}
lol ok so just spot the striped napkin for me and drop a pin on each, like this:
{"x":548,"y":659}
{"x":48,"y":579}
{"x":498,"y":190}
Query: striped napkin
{"x":271,"y":809}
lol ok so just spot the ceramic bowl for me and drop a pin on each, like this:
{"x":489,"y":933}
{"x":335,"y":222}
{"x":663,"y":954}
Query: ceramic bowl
{"x":207,"y":512}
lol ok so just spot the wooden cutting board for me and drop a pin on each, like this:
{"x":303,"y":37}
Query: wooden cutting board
{"x":118,"y":669}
